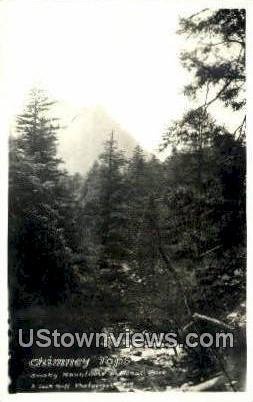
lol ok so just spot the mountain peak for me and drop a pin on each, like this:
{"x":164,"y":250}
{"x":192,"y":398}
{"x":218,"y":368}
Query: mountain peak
{"x":82,"y":141}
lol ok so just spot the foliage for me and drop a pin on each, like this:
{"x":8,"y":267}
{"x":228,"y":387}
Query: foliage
{"x":40,"y":255}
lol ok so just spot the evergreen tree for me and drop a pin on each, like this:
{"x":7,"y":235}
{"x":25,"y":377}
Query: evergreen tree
{"x":104,"y":225}
{"x":40,"y":260}
{"x":218,"y":60}
{"x":200,"y":203}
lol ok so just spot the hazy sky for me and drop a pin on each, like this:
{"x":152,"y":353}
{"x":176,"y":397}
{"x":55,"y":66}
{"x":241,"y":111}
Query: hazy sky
{"x":122,"y":55}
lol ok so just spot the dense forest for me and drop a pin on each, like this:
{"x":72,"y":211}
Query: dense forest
{"x":137,"y":241}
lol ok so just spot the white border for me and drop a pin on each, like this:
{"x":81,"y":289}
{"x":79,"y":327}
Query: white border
{"x":148,"y":396}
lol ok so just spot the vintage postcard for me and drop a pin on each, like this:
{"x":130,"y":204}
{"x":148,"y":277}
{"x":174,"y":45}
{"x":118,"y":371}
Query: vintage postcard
{"x":127,"y":237}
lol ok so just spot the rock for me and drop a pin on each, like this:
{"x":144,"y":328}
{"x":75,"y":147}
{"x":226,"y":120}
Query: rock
{"x":214,"y":384}
{"x":137,"y":353}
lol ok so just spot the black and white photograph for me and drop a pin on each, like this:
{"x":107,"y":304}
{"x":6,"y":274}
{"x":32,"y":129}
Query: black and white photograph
{"x":127,"y":229}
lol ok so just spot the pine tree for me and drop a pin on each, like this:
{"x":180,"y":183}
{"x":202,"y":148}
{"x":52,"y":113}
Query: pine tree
{"x":201,"y":204}
{"x":38,"y":244}
{"x":137,"y":185}
{"x":218,"y":60}
{"x":112,"y":204}
{"x":104,"y":217}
